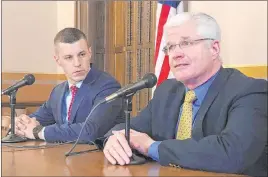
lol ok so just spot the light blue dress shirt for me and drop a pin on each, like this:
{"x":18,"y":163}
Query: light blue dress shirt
{"x":200,"y":93}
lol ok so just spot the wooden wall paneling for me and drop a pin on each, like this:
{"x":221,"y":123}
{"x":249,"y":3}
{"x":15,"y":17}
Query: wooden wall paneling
{"x":144,"y":48}
{"x":100,"y":34}
{"x":82,"y":17}
{"x":124,"y":40}
{"x":109,"y":38}
{"x":90,"y":18}
{"x":130,"y":44}
{"x":139,"y":52}
{"x":119,"y":41}
{"x":132,"y":31}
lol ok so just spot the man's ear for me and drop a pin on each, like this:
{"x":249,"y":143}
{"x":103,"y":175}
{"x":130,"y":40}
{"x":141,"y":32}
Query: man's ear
{"x":56,"y":58}
{"x":215,"y":49}
{"x":90,"y":51}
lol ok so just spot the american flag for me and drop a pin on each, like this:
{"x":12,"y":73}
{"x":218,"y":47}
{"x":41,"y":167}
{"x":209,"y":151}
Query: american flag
{"x":165,"y":10}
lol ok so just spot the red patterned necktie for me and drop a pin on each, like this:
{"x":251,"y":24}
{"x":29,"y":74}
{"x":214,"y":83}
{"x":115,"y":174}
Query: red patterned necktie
{"x":73,"y":91}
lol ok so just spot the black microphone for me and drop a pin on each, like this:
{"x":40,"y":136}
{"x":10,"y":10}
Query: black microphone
{"x":27,"y":80}
{"x":148,"y":81}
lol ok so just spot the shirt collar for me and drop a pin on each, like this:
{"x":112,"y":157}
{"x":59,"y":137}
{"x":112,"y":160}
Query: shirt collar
{"x":78,"y":84}
{"x":201,"y":90}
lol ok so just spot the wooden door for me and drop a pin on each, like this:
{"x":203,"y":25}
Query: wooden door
{"x":130,"y":44}
{"x":121,"y":34}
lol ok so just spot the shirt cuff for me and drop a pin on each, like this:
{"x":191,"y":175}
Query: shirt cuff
{"x":153,"y":151}
{"x":42,"y":134}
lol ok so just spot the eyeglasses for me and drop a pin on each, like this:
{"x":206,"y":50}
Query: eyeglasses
{"x":183,"y":44}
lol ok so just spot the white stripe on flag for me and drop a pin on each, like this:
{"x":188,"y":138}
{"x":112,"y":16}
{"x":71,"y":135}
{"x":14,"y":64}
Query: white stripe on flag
{"x":161,"y":55}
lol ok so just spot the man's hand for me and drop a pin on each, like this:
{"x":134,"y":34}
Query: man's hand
{"x":24,"y":126}
{"x":21,"y":124}
{"x":140,"y":141}
{"x":117,"y":150}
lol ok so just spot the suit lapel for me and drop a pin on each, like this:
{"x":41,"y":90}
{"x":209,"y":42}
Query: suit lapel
{"x":60,"y":103}
{"x":83,"y":91}
{"x":177,"y":97}
{"x":212,"y":93}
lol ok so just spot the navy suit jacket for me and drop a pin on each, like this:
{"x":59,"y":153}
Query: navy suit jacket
{"x":96,"y":86}
{"x":230,"y":132}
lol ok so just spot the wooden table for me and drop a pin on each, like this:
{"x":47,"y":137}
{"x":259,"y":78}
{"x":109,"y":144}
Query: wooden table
{"x":52,"y":162}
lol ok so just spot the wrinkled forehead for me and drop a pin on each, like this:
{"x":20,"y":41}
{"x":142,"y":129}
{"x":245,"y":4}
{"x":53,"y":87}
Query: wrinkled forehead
{"x":187,"y":30}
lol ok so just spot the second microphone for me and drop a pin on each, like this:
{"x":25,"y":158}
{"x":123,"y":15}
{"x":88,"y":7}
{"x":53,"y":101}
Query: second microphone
{"x":148,"y":81}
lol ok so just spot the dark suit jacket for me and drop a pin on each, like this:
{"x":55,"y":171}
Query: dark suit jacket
{"x":96,"y":86}
{"x":230,"y":132}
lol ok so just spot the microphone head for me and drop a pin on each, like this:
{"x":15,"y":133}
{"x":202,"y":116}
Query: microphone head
{"x":29,"y":78}
{"x":150,"y":80}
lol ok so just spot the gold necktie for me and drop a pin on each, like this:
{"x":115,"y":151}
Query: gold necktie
{"x":186,"y":118}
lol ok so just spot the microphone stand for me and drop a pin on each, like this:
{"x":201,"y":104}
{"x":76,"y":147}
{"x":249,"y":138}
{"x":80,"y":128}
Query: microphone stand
{"x":134,"y":159}
{"x":12,"y":137}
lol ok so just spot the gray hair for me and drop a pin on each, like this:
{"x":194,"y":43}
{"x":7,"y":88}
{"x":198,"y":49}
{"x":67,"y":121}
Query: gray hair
{"x":207,"y":26}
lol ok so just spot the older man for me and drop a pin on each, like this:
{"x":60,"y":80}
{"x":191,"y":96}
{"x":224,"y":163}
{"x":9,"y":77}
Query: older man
{"x":207,"y":118}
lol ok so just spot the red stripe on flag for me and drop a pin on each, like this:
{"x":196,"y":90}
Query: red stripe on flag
{"x":164,"y":71}
{"x":162,"y":20}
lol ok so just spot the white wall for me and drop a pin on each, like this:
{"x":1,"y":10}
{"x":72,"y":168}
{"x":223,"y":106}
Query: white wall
{"x":28,"y":31}
{"x":65,"y":18}
{"x":244,"y":29}
{"x":65,"y":14}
